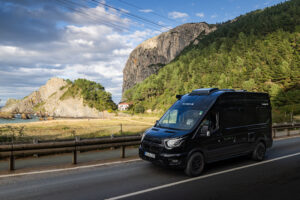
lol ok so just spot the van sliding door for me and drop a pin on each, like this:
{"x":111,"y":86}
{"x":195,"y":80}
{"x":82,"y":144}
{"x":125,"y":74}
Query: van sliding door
{"x":234,"y":131}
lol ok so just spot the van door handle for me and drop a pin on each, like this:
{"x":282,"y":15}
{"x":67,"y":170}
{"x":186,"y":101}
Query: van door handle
{"x":251,"y":137}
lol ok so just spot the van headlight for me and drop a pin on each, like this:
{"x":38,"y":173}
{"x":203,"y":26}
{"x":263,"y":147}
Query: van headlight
{"x":143,"y":136}
{"x":172,"y":143}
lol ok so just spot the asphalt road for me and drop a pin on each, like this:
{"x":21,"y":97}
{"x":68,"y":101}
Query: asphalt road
{"x":239,"y":178}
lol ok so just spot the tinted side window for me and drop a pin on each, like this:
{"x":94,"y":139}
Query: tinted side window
{"x":256,"y":115}
{"x":172,"y":118}
{"x":231,"y":117}
{"x":249,"y":116}
{"x":242,"y":116}
{"x":262,"y":115}
{"x":212,"y":121}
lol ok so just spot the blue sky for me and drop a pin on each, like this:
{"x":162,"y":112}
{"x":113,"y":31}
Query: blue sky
{"x":211,"y":11}
{"x":87,"y":39}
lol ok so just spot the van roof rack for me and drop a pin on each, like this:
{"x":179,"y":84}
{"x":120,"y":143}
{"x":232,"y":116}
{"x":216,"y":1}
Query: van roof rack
{"x":203,"y":91}
{"x":232,"y":90}
{"x":228,"y":90}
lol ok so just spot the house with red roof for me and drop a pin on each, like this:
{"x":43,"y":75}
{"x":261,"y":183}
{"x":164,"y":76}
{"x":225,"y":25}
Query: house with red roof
{"x":124,"y":105}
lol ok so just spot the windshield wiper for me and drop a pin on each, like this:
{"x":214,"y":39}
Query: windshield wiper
{"x":157,"y":125}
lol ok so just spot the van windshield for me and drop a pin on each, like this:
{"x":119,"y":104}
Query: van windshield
{"x":183,"y":118}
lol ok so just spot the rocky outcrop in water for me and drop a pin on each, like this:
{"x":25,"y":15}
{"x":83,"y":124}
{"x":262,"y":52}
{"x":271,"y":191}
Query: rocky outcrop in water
{"x":5,"y":115}
{"x":26,"y":116}
{"x":47,"y":102}
{"x":154,"y":53}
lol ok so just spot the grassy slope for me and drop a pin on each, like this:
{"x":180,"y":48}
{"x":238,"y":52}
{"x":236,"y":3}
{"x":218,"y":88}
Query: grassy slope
{"x":93,"y":94}
{"x":67,"y":128}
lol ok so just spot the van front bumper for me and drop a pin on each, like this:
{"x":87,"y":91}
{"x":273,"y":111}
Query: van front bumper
{"x":165,"y":159}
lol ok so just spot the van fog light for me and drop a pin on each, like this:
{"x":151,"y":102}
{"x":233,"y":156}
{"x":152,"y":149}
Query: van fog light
{"x":174,"y":161}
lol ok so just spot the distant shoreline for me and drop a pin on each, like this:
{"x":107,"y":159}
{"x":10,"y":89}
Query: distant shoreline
{"x":36,"y":120}
{"x":70,"y":120}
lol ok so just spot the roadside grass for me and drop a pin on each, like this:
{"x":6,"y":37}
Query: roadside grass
{"x":297,"y":117}
{"x":69,"y":128}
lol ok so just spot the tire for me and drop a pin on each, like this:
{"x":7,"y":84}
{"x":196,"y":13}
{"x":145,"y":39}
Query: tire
{"x":259,"y":152}
{"x":195,"y":164}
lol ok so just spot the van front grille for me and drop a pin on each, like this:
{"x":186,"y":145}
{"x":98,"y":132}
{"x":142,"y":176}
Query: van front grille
{"x":152,"y":140}
{"x":152,"y":147}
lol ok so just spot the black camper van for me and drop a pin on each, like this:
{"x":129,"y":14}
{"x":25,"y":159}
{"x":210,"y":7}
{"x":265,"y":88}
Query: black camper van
{"x":209,"y":125}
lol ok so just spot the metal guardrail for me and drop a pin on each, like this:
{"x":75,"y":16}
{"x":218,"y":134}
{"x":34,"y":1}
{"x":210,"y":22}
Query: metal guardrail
{"x":12,"y":151}
{"x":21,"y":150}
{"x":286,"y":128}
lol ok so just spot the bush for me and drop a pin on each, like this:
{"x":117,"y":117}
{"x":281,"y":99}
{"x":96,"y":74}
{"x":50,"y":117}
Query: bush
{"x":139,"y":108}
{"x":93,"y":94}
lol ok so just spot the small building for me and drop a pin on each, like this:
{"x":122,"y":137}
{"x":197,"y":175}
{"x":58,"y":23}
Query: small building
{"x":124,"y":106}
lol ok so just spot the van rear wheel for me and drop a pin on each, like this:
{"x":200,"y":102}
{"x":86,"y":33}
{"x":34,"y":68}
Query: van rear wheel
{"x":259,"y":152}
{"x":195,"y":164}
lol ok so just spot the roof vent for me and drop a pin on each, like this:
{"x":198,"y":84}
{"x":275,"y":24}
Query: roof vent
{"x":203,"y":91}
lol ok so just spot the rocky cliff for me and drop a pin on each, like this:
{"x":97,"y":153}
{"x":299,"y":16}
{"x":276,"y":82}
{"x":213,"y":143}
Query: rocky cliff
{"x":47,"y":101}
{"x":154,"y":53}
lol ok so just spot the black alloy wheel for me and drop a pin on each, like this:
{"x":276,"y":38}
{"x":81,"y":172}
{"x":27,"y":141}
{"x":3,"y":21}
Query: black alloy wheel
{"x":259,"y":152}
{"x":195,"y":164}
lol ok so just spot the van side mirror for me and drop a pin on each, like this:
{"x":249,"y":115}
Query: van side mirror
{"x":156,"y":122}
{"x":204,"y":131}
{"x":178,"y":96}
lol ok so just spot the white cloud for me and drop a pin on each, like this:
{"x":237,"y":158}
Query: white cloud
{"x":161,"y":23}
{"x":213,"y":16}
{"x":177,"y":15}
{"x":99,"y":15}
{"x":124,"y":10}
{"x":201,"y":15}
{"x":84,"y":49}
{"x":6,"y":51}
{"x":122,"y":52}
{"x":146,"y":10}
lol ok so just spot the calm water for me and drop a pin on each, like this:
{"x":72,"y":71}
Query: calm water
{"x":18,"y":120}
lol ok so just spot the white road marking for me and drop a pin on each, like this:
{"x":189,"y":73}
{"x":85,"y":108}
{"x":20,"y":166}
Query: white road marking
{"x":67,"y":169}
{"x":200,"y":177}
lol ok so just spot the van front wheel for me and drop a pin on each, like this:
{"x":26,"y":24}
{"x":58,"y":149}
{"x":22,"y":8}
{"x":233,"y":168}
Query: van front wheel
{"x":195,"y":164}
{"x":259,"y":152}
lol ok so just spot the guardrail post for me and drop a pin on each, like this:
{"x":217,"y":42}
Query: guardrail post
{"x":274,"y":133}
{"x":35,"y":141}
{"x":287,"y":132}
{"x":74,"y":159}
{"x":123,"y":151}
{"x":11,"y":157}
{"x":11,"y":162}
{"x":111,"y":137}
{"x":121,"y":131}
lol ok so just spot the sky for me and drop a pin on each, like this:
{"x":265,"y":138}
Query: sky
{"x":91,"y":39}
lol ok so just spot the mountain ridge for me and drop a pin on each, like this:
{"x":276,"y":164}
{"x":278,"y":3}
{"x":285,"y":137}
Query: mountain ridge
{"x":151,"y":55}
{"x":258,"y":52}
